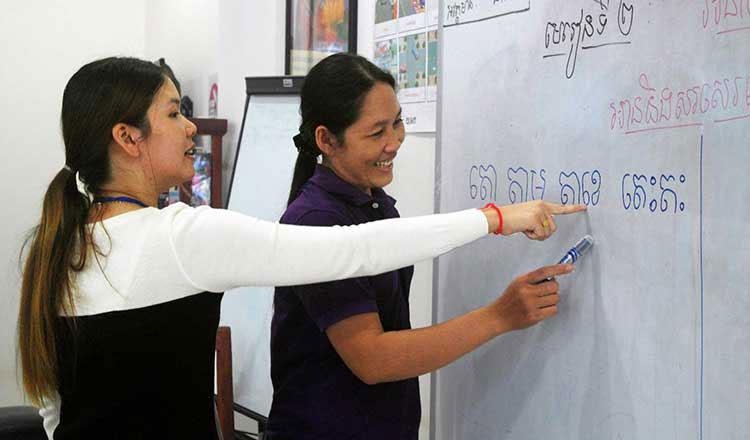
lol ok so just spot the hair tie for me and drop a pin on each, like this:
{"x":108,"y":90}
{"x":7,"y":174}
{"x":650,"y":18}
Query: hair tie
{"x":298,"y":142}
{"x":81,"y":186}
{"x":303,"y":147}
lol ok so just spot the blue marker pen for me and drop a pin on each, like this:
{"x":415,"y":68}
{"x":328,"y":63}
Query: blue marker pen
{"x":578,"y":250}
{"x":574,"y":253}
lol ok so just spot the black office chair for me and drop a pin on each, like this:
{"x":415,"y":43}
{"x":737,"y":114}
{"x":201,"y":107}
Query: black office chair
{"x":21,"y":423}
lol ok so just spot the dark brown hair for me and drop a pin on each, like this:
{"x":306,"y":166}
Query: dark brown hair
{"x":97,"y":97}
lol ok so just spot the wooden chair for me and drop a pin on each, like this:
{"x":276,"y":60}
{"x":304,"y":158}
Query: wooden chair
{"x":224,"y":390}
{"x":225,"y":405}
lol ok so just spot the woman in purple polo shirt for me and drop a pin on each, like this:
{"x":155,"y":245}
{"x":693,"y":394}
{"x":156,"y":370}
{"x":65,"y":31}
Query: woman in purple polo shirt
{"x":344,"y":359}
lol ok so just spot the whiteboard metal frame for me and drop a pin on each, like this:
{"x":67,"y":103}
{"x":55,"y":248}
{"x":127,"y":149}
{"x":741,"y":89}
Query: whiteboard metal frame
{"x":265,"y":85}
{"x":262,"y":85}
{"x":438,"y":163}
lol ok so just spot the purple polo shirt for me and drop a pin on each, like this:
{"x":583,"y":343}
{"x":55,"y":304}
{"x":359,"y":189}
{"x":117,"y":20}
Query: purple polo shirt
{"x":316,"y":396}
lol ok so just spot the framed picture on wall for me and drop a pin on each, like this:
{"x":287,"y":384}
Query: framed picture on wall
{"x":316,"y":29}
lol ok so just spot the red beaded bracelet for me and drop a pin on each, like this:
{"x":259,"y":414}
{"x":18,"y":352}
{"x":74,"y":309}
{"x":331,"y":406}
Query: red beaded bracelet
{"x":499,"y":229}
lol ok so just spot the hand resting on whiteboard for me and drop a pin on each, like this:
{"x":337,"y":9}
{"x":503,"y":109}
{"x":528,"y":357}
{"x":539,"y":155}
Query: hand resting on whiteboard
{"x":530,"y":298}
{"x":535,"y":219}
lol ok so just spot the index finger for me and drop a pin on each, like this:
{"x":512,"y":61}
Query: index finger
{"x":555,"y":208}
{"x":543,"y":273}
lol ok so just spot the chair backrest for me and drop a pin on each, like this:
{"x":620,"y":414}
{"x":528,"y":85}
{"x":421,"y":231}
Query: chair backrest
{"x":224,"y":390}
{"x":21,"y":423}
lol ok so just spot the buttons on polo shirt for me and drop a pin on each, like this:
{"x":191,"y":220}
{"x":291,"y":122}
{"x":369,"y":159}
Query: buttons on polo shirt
{"x":375,"y":205}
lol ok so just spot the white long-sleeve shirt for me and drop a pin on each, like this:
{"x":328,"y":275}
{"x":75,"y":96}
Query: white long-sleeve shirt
{"x":156,"y":256}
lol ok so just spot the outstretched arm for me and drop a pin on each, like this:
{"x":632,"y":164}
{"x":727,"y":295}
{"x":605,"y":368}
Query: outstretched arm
{"x":376,"y":356}
{"x":220,"y":250}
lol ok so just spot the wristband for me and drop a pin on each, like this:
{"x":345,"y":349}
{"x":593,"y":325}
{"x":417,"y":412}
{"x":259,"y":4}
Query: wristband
{"x":499,"y":229}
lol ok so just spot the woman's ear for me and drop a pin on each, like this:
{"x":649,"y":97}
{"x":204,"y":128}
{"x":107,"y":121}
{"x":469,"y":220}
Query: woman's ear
{"x":127,"y":137}
{"x":326,"y":141}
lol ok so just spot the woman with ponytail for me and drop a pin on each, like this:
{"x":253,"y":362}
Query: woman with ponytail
{"x":344,"y":359}
{"x":119,"y":308}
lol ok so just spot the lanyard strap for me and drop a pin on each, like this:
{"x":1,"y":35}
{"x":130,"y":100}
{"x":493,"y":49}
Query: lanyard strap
{"x":121,"y":199}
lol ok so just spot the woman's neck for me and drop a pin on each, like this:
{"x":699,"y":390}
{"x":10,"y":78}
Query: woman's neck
{"x":129,"y":180}
{"x":108,"y":209}
{"x":328,"y":165}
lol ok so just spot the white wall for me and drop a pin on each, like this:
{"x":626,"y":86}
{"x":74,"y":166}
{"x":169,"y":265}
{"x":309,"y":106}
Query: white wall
{"x":186,"y":34}
{"x":44,"y":43}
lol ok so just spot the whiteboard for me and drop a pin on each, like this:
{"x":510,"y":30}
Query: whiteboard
{"x":644,"y":115}
{"x":260,"y":186}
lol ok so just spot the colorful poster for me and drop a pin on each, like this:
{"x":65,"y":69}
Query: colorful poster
{"x":432,"y":64}
{"x":411,"y":15}
{"x":386,"y":56}
{"x":385,"y":10}
{"x":412,"y":69}
{"x":406,"y":45}
{"x":411,"y":7}
{"x":386,"y":14}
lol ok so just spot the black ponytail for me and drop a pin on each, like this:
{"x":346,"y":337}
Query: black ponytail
{"x":304,"y":167}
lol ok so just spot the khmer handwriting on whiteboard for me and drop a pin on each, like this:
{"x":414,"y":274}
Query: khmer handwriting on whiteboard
{"x":656,"y":192}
